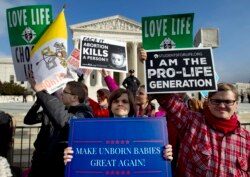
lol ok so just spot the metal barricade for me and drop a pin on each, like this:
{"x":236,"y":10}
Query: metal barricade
{"x":23,"y":145}
{"x":246,"y":126}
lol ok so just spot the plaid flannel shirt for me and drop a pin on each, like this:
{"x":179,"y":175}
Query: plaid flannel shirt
{"x":203,"y":150}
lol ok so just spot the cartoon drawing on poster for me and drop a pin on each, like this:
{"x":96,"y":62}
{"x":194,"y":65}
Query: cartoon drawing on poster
{"x":49,"y":55}
{"x":97,"y":53}
{"x":180,"y":70}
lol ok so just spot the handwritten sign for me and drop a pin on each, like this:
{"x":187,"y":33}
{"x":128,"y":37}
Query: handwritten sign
{"x":115,"y":146}
{"x":180,"y":70}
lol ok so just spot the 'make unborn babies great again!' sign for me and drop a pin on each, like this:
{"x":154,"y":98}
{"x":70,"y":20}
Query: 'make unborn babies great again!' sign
{"x":118,"y":146}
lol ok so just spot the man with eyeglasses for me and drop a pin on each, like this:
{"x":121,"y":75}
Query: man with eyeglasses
{"x":57,"y":110}
{"x":212,"y":142}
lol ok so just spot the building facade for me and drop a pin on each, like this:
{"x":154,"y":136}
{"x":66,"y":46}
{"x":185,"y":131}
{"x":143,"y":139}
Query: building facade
{"x":244,"y":91}
{"x":7,"y":72}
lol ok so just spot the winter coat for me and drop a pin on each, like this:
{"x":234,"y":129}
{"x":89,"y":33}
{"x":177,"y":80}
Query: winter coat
{"x":110,"y":82}
{"x":131,"y":83}
{"x":53,"y":135}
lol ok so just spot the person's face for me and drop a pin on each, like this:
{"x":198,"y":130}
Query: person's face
{"x":141,"y":96}
{"x":117,"y":59}
{"x":67,"y":97}
{"x":102,"y":101}
{"x":222,"y":104}
{"x":120,"y":107}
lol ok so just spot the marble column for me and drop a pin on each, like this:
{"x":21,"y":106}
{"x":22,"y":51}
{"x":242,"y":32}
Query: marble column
{"x":87,"y":81}
{"x":77,"y":46}
{"x":134,"y":58}
{"x":111,"y":73}
{"x":76,"y":43}
{"x":140,"y":67}
{"x":98,"y":79}
{"x":122,"y":76}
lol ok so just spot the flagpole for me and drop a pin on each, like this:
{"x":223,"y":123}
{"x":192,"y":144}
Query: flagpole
{"x":64,"y":6}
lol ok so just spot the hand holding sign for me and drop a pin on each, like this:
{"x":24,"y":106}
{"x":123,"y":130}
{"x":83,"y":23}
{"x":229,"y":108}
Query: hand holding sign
{"x":68,"y":155}
{"x":33,"y":83}
{"x":168,"y":152}
{"x":142,"y":55}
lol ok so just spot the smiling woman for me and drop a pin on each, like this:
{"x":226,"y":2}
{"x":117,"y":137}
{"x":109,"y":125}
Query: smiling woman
{"x":121,"y":103}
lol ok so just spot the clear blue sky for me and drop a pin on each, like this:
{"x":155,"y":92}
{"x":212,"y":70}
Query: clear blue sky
{"x":232,"y":18}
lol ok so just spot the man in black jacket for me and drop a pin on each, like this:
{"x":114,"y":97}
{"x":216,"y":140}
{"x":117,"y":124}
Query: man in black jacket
{"x":47,"y":159}
{"x":131,"y":82}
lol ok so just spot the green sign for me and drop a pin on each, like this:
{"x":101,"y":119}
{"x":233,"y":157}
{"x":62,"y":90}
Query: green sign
{"x":26,"y":24}
{"x":167,"y":31}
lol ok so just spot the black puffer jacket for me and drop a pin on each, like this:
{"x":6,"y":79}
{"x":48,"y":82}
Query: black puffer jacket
{"x":53,"y":135}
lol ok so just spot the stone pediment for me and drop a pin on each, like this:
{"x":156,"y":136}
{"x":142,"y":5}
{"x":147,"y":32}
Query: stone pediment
{"x":113,"y":23}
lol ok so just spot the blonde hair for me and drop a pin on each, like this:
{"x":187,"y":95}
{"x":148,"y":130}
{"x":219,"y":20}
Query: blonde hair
{"x":225,"y":87}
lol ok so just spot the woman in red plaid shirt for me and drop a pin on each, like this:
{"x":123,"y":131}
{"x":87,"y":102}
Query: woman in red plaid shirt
{"x":212,"y":142}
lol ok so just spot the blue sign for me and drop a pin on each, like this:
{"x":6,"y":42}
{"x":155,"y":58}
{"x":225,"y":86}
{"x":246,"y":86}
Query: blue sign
{"x":118,"y":147}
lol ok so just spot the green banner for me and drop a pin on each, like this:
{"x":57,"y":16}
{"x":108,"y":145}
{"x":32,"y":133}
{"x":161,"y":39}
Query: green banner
{"x":167,"y":31}
{"x":26,"y":24}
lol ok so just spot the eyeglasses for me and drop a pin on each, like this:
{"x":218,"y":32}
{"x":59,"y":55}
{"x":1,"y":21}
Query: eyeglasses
{"x":65,"y":92}
{"x":225,"y":102}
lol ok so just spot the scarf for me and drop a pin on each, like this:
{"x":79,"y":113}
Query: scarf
{"x":222,"y":125}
